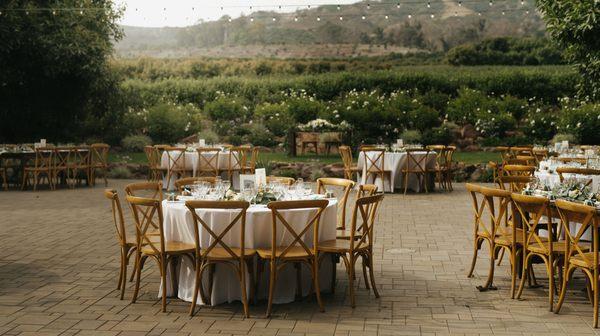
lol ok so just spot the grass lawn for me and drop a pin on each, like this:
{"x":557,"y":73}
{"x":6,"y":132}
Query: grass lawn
{"x":466,"y":157}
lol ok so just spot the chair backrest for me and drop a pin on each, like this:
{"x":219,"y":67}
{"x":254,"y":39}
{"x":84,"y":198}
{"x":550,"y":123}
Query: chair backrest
{"x":492,"y":204}
{"x":450,"y":150}
{"x":587,"y":217}
{"x":145,"y":189}
{"x":522,"y":151}
{"x":217,"y":236}
{"x":147,"y":214}
{"x":366,"y":190}
{"x":152,"y":155}
{"x":237,"y":157}
{"x":363,"y":221}
{"x":62,"y":157}
{"x":176,"y":158}
{"x":81,"y":155}
{"x":572,"y":159}
{"x":208,"y":160}
{"x":576,"y":170}
{"x":532,"y":209}
{"x":416,"y":162}
{"x":44,"y":158}
{"x":529,"y":159}
{"x":181,"y":183}
{"x":374,"y":162}
{"x":518,"y":170}
{"x":505,"y":153}
{"x":281,"y":179}
{"x":440,"y":154}
{"x":514,"y":183}
{"x":328,"y":184}
{"x":253,"y":159}
{"x":117,"y":213}
{"x":297,"y":234}
{"x":541,"y":154}
{"x":346,"y":154}
{"x":99,"y":154}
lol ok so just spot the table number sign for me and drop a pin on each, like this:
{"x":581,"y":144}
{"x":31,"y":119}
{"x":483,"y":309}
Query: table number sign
{"x":247,"y":181}
{"x":260,"y":176}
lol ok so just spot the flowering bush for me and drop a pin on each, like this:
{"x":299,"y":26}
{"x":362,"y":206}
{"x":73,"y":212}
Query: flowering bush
{"x":581,"y":119}
{"x":494,"y":125}
{"x":540,"y":123}
{"x":303,"y":107}
{"x":322,"y":125}
{"x":276,"y":117}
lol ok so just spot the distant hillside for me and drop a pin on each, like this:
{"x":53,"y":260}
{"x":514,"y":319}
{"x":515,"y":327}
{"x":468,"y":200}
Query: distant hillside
{"x":375,"y":35}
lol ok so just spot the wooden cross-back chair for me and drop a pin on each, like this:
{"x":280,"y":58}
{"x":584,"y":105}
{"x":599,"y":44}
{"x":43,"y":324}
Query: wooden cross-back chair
{"x":250,"y":165}
{"x":329,"y":184}
{"x":79,"y":165}
{"x":572,"y":159}
{"x":518,"y":170}
{"x":577,"y":171}
{"x":536,"y":213}
{"x":4,"y":178}
{"x":236,"y":160}
{"x":43,"y":167}
{"x":359,"y":244}
{"x":154,"y":157}
{"x":99,"y":161}
{"x":127,"y":244}
{"x":541,"y":154}
{"x":297,"y":251}
{"x":505,"y":153}
{"x":62,"y":159}
{"x":239,"y":258}
{"x":579,"y":254}
{"x":176,"y":167}
{"x":147,"y":212}
{"x":181,"y":183}
{"x":208,"y":161}
{"x":350,"y":169}
{"x":281,"y":179}
{"x":375,"y":165}
{"x":521,"y":150}
{"x":416,"y":165}
{"x":449,"y":171}
{"x":440,"y":164}
{"x":528,"y":159}
{"x":493,"y":204}
{"x":513,"y":183}
{"x":151,"y":190}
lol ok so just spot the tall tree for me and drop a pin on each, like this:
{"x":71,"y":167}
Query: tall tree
{"x":54,"y":75}
{"x":576,"y":26}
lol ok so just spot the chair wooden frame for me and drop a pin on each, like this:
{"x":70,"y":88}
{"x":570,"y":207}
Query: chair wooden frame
{"x":219,"y":252}
{"x":147,"y":212}
{"x":376,"y":166}
{"x":43,"y":166}
{"x":176,"y":164}
{"x":497,"y":202}
{"x":236,"y":160}
{"x":62,"y":159}
{"x":250,"y":166}
{"x":420,"y":168}
{"x":4,"y":178}
{"x":350,"y":169}
{"x":208,"y":165}
{"x":572,"y":159}
{"x":576,"y":255}
{"x":360,"y":243}
{"x":532,"y":210}
{"x":281,"y":179}
{"x":99,"y":160}
{"x":576,"y":170}
{"x":126,"y":244}
{"x":181,"y":183}
{"x":296,"y":252}
{"x":155,"y":172}
{"x":514,"y":183}
{"x":347,"y":185}
{"x":518,"y":170}
{"x":441,"y":165}
{"x":79,"y":164}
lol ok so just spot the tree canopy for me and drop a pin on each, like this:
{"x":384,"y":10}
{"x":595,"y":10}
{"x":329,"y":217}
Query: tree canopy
{"x":576,"y":26}
{"x":54,"y":75}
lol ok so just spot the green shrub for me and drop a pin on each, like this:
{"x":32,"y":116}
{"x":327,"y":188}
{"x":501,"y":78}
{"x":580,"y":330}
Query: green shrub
{"x":275,"y":117}
{"x":259,"y":135}
{"x":288,"y":173}
{"x":466,"y":107}
{"x":167,"y":123}
{"x":411,"y":137}
{"x":583,"y":122}
{"x":120,"y":172}
{"x":437,"y":136}
{"x":560,"y":137}
{"x":423,"y":118}
{"x":494,"y":124}
{"x":135,"y":143}
{"x":540,"y":124}
{"x":209,"y":136}
{"x":303,"y":107}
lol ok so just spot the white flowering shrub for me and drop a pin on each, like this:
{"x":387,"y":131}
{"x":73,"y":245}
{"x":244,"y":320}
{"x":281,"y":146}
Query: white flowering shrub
{"x":582,"y":119}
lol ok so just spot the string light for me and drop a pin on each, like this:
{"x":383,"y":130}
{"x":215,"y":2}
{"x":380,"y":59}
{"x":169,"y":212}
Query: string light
{"x":410,"y":16}
{"x":491,"y":3}
{"x":318,"y":18}
{"x":229,"y":19}
{"x":341,"y":18}
{"x":296,"y":18}
{"x":339,"y":7}
{"x":398,"y":5}
{"x":368,"y":6}
{"x":522,"y":2}
{"x":503,"y":13}
{"x":81,"y":11}
{"x":53,"y":12}
{"x":428,"y":4}
{"x":274,"y":19}
{"x":460,"y":4}
{"x":387,"y":17}
{"x":432,"y":16}
{"x":363,"y":17}
{"x":251,"y":19}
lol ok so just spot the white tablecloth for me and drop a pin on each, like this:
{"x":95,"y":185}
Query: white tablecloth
{"x":178,"y":223}
{"x":552,"y":179}
{"x":394,"y":162}
{"x":192,"y":160}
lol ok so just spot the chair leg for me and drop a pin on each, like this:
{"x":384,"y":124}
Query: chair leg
{"x":243,"y":288}
{"x":333,"y":272}
{"x":138,"y":273}
{"x":315,"y":276}
{"x":196,"y":289}
{"x":163,"y":279}
{"x":563,"y":288}
{"x":513,"y":272}
{"x":350,"y":270}
{"x":490,"y":278}
{"x":550,"y":269}
{"x":298,"y":268}
{"x":372,"y":276}
{"x":364,"y":267}
{"x":524,"y":274}
{"x":122,"y":260}
{"x":595,"y":291}
{"x":125,"y":262}
{"x":272,"y":280}
{"x":474,"y":261}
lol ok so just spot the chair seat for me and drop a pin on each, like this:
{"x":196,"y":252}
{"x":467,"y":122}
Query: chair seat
{"x":171,"y":248}
{"x":557,"y":247}
{"x":339,"y":246}
{"x":38,"y":169}
{"x":505,"y":237}
{"x":352,"y":168}
{"x":414,"y":171}
{"x":579,"y":260}
{"x":221,"y":253}
{"x":296,"y":252}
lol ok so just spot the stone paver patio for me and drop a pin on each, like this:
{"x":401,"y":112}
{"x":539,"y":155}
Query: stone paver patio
{"x":59,"y":267}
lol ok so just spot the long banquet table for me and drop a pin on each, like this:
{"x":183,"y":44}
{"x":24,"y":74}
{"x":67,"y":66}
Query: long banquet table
{"x":395,"y":162}
{"x":178,"y":224}
{"x":192,"y":162}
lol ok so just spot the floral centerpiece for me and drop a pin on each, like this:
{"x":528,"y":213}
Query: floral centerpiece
{"x":322,"y":125}
{"x":571,"y":190}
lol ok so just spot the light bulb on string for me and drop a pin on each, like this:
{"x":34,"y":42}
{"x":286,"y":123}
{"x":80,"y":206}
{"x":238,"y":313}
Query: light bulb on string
{"x":503,"y":13}
{"x":251,"y":19}
{"x":432,"y":16}
{"x":491,"y":3}
{"x":341,"y":18}
{"x":363,"y":17}
{"x":527,"y":12}
{"x":339,"y":7}
{"x":522,"y":2}
{"x":274,"y":19}
{"x":479,"y":13}
{"x":318,"y":18}
{"x":81,"y":12}
{"x":387,"y":17}
{"x":368,"y":6}
{"x":296,"y":18}
{"x":410,"y":16}
{"x":26,"y":12}
{"x":229,"y":19}
{"x":428,"y":4}
{"x":460,"y":4}
{"x":53,"y":12}
{"x":455,"y":13}
{"x":398,"y":5}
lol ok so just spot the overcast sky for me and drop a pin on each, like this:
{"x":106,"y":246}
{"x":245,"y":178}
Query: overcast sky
{"x":179,"y":13}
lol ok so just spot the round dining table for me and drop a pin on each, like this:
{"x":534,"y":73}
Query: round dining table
{"x":178,"y":226}
{"x":192,"y":162}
